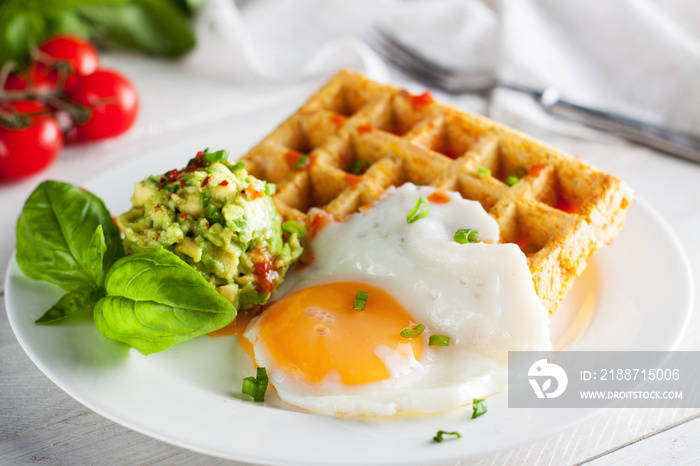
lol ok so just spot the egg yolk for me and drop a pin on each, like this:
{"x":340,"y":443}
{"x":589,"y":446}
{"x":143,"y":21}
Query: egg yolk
{"x":316,"y":331}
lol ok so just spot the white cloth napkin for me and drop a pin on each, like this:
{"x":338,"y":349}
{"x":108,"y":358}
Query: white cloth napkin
{"x":636,"y":57}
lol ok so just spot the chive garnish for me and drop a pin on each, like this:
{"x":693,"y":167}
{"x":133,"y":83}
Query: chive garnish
{"x":511,"y":180}
{"x":414,"y":215}
{"x":254,"y":387}
{"x":515,"y":174}
{"x":292,"y":226}
{"x":483,"y":172}
{"x":360,"y":300}
{"x":301,"y":162}
{"x":438,"y":340}
{"x":441,"y":433}
{"x":479,"y":407}
{"x":412,"y":332}
{"x":270,"y":189}
{"x":359,"y":167}
{"x":466,"y":235}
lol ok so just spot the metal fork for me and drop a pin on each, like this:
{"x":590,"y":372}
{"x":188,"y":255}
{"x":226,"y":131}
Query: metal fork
{"x":426,"y":71}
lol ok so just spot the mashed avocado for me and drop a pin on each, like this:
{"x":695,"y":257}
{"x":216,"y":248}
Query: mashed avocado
{"x":220,"y":220}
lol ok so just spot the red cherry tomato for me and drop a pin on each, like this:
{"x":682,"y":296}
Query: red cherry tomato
{"x":33,"y":145}
{"x":78,"y":53}
{"x":42,"y":78}
{"x":112,"y":101}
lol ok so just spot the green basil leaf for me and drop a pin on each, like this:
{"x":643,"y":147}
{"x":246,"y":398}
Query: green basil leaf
{"x":156,"y":27}
{"x":70,"y":303}
{"x":56,"y":236}
{"x":95,"y":256}
{"x":155,"y":300}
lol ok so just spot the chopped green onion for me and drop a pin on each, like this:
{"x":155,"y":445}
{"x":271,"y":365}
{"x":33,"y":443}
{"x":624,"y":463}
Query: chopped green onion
{"x":359,"y":167}
{"x":301,"y":162}
{"x":238,"y":166}
{"x":360,"y":300}
{"x":511,"y":180}
{"x":254,"y":387}
{"x":466,"y":235}
{"x":270,"y":189}
{"x":438,"y":340}
{"x":414,"y":215}
{"x":515,"y":174}
{"x":479,"y":407}
{"x":218,"y":156}
{"x":441,"y":433}
{"x":413,"y":332}
{"x":294,"y":227}
{"x":483,"y":172}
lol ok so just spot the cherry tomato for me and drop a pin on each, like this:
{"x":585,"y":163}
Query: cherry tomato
{"x":43,"y":80}
{"x":78,"y":53}
{"x":31,"y":146}
{"x":112,"y":101}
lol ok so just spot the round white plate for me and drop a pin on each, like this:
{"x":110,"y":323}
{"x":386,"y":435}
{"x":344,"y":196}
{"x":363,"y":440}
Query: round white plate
{"x":635,"y":295}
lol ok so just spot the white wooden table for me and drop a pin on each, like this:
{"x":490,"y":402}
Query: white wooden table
{"x":39,"y":423}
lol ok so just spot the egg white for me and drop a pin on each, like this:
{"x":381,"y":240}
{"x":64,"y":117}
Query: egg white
{"x":481,"y":295}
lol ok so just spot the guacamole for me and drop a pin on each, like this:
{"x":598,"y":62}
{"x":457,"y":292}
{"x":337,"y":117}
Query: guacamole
{"x":218,"y":219}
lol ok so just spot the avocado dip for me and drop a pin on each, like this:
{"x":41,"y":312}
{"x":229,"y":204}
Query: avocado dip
{"x":218,"y":219}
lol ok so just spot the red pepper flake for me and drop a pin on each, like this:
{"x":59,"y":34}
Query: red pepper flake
{"x":365,"y":128}
{"x":419,"y":102}
{"x":338,"y":120}
{"x":205,"y":181}
{"x":352,"y":180}
{"x":182,"y":183}
{"x":319,"y":220}
{"x":224,"y":183}
{"x":566,"y":206}
{"x":439,"y":197}
{"x":160,"y":183}
{"x":200,"y":154}
{"x":266,"y":275}
{"x":183,"y":215}
{"x":535,"y":170}
{"x":114,"y":219}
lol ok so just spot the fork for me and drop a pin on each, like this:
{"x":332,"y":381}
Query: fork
{"x":417,"y":66}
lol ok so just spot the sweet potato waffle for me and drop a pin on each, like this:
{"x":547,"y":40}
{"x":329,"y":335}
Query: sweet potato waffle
{"x":354,"y":138}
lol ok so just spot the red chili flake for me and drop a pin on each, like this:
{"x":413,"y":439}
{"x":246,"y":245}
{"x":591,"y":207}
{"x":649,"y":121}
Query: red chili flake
{"x":362,"y":129}
{"x":183,"y":215}
{"x":206,"y":224}
{"x":205,"y":181}
{"x":338,"y":120}
{"x":224,"y":183}
{"x":200,"y":154}
{"x":566,"y":206}
{"x":439,"y":197}
{"x":156,"y":207}
{"x":418,"y":102}
{"x":352,"y":180}
{"x":114,"y":219}
{"x":182,"y":183}
{"x":535,"y":170}
{"x":160,"y":183}
{"x":266,"y":275}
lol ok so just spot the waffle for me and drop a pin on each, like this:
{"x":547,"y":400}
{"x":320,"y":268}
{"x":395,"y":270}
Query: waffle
{"x":559,"y":211}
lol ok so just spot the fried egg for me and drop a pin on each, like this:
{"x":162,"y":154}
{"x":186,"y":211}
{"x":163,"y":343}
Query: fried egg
{"x":325,"y":356}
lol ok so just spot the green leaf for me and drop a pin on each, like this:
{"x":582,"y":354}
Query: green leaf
{"x":56,"y":236}
{"x":155,"y":300}
{"x":71,"y":303}
{"x":156,"y":27}
{"x":95,"y":256}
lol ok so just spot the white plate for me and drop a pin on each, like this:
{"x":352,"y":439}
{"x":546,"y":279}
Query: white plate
{"x":634,"y":295}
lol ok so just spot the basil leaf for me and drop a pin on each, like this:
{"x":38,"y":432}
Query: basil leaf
{"x":156,"y":27}
{"x":154,"y":300}
{"x":71,"y":303}
{"x":56,"y":236}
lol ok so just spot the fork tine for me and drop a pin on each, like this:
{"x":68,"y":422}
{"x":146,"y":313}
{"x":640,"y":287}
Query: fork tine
{"x":410,"y":54}
{"x":407,"y":63}
{"x":427,"y":71}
